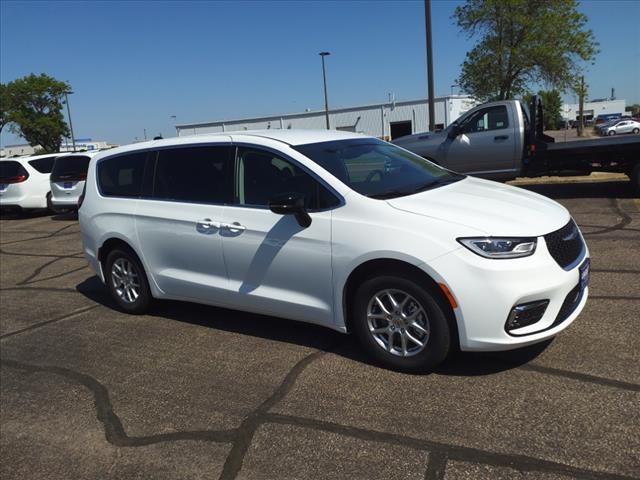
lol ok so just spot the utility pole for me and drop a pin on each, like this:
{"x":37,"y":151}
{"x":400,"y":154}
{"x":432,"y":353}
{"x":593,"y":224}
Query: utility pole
{"x":427,"y":22}
{"x":581,"y":95}
{"x":324,"y":78}
{"x":66,"y":99}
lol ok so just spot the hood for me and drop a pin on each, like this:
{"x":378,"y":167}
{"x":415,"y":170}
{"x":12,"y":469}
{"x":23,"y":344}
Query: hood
{"x":424,"y":144}
{"x":490,"y":207}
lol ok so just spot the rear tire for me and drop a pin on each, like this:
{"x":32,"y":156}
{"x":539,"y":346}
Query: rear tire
{"x":50,"y":208}
{"x":611,"y":133}
{"x":414,"y":336}
{"x":127,"y":281}
{"x":636,"y":130}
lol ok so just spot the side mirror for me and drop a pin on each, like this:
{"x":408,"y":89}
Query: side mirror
{"x":454,"y":131}
{"x":290,"y":204}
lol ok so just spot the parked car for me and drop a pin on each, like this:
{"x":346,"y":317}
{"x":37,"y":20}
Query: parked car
{"x":67,"y":179}
{"x":604,"y":125}
{"x":24,"y":182}
{"x":336,"y":229}
{"x":620,"y":127}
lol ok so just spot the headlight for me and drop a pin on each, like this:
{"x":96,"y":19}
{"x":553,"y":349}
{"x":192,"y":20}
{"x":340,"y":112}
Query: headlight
{"x":499,"y":247}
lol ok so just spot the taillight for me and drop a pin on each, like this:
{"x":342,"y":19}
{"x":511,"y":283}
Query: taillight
{"x":82,"y":176}
{"x":16,"y":179}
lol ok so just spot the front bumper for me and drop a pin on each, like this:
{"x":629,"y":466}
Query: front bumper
{"x":486,"y":290}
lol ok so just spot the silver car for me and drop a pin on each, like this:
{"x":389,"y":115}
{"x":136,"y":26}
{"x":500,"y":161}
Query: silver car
{"x":623,"y":126}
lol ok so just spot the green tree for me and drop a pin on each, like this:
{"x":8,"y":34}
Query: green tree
{"x":36,"y":110}
{"x":520,"y":43}
{"x":551,"y":103}
{"x":635,"y":109}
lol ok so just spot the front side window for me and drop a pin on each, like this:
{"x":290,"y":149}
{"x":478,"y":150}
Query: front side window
{"x":377,"y":169}
{"x":485,"y":119}
{"x":43,"y":165}
{"x":261,"y":175}
{"x":195,"y":174}
{"x":122,"y":176}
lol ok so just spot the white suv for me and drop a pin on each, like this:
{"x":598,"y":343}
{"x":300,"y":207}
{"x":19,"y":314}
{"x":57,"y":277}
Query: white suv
{"x":24,"y":182}
{"x":336,"y":229}
{"x":67,"y":179}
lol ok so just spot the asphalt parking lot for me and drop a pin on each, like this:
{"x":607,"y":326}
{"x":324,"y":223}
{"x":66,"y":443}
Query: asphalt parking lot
{"x":201,"y":392}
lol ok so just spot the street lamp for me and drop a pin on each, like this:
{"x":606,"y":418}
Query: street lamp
{"x":66,"y":99}
{"x":324,"y":78}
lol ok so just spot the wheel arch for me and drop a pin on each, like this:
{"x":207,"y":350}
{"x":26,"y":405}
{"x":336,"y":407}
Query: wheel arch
{"x":394,"y":266}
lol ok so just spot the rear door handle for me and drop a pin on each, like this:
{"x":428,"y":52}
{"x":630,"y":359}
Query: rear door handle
{"x":501,"y":137}
{"x":234,"y":227}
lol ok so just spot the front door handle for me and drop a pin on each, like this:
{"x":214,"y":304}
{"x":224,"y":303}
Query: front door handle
{"x":501,"y":137}
{"x":234,"y":227}
{"x":207,"y":225}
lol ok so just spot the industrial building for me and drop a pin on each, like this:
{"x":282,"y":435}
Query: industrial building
{"x":387,"y":120}
{"x":594,"y":108}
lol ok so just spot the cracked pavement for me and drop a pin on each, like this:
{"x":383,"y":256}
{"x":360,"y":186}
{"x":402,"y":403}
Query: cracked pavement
{"x":191,"y":391}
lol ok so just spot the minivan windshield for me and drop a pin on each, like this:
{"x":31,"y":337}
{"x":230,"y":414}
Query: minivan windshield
{"x":377,"y":169}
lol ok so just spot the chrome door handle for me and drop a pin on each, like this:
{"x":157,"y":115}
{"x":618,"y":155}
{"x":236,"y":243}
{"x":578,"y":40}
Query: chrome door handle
{"x":207,"y":224}
{"x":234,"y":227}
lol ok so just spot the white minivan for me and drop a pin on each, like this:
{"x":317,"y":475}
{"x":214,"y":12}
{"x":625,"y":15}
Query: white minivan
{"x":24,"y":182}
{"x":336,"y":229}
{"x":67,"y":179}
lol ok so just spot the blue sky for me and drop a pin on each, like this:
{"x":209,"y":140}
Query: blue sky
{"x":132,"y":65}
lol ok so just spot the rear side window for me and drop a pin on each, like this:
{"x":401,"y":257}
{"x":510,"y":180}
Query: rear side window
{"x":11,"y":170}
{"x":70,"y":168}
{"x":43,"y":165}
{"x":122,"y":176}
{"x":195,"y":174}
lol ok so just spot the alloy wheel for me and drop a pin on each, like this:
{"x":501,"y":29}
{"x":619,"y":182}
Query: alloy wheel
{"x":398,"y":323}
{"x":125,"y":281}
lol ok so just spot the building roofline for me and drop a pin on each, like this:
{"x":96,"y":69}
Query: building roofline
{"x":315,"y":112}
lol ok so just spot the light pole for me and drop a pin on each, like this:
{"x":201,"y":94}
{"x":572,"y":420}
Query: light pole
{"x":427,"y":21}
{"x":66,"y":99}
{"x":324,"y":78}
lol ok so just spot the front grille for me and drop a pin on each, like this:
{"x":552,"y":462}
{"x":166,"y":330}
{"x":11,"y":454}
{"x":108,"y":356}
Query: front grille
{"x":569,"y":305}
{"x":565,"y":245}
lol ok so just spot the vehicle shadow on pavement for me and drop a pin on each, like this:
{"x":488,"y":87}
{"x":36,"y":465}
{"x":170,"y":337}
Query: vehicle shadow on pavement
{"x":308,"y":335}
{"x":619,"y":189}
{"x":25,"y":215}
{"x":65,"y":216}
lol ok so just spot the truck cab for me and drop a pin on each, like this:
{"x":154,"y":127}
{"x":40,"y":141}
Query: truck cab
{"x":488,"y":141}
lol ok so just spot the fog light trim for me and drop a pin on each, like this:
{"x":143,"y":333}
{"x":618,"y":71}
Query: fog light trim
{"x":526,"y":314}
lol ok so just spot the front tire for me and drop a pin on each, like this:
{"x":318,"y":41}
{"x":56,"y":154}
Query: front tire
{"x":401,"y":324}
{"x":127,"y":281}
{"x":611,"y":133}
